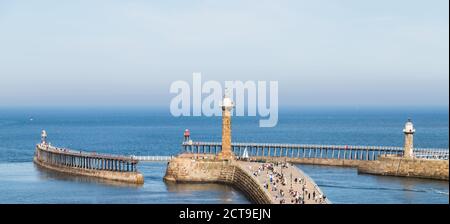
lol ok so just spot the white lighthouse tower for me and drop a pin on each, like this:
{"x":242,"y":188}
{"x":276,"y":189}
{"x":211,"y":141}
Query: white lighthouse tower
{"x":409,"y":132}
{"x":44,"y":137}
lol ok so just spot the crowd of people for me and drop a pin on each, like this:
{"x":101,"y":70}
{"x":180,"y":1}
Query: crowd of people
{"x":276,"y":181}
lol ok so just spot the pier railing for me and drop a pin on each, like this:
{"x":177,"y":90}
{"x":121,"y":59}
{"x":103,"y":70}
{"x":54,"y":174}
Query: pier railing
{"x":348,"y":152}
{"x":152,"y":158}
{"x":85,"y":160}
{"x":431,"y":153}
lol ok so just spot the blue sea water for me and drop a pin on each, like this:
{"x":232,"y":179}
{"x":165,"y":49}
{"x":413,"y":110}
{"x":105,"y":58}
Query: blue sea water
{"x":142,"y":131}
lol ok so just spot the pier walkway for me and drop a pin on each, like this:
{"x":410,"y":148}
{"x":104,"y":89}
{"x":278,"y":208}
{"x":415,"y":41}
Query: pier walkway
{"x":152,"y":158}
{"x":300,"y":151}
{"x":85,"y":160}
{"x":105,"y":166}
{"x":261,"y":182}
{"x":285,"y":183}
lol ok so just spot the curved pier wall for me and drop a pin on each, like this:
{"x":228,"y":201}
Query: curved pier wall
{"x":128,"y":177}
{"x":135,"y":178}
{"x":209,"y":171}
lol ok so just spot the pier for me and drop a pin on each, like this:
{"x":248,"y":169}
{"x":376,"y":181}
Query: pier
{"x":291,"y":185}
{"x":243,"y":165}
{"x":112,"y":167}
{"x":431,"y":163}
{"x":262,"y":182}
{"x":264,"y":172}
{"x":299,"y":151}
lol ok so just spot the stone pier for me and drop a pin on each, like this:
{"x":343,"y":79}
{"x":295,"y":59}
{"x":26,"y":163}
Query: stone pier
{"x":110,"y":167}
{"x":405,"y":161}
{"x":407,"y":167}
{"x":204,"y":168}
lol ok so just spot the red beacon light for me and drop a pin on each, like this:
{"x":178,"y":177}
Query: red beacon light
{"x":187,"y":135}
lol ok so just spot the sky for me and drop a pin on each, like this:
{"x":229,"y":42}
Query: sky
{"x":127,"y":53}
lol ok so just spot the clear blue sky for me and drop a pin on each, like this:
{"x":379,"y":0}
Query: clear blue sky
{"x":335,"y":52}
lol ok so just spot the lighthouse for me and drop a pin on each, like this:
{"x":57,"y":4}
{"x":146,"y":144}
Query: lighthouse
{"x":187,"y":135}
{"x":227,"y":152}
{"x":409,"y":132}
{"x":44,"y":137}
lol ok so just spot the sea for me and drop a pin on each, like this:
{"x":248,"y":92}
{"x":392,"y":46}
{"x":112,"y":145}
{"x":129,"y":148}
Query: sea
{"x":154,"y":131}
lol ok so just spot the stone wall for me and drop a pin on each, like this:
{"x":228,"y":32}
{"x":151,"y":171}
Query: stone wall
{"x":226,"y":172}
{"x":385,"y":165}
{"x":399,"y":166}
{"x":128,"y":177}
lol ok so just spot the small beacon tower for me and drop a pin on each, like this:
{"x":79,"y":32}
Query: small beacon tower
{"x":44,"y":137}
{"x":409,"y":132}
{"x":227,"y":152}
{"x":187,"y":135}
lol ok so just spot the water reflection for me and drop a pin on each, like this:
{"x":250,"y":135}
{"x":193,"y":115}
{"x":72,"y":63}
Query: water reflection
{"x":410,"y":186}
{"x":226,"y":193}
{"x":340,"y":183}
